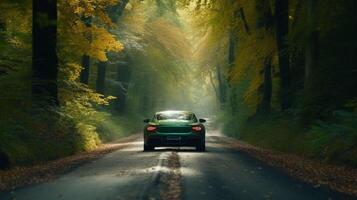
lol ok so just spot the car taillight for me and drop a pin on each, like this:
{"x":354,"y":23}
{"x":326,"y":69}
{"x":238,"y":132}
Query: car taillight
{"x":196,"y":128}
{"x":151,"y":128}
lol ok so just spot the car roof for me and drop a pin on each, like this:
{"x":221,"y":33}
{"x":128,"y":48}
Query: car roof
{"x":173,"y":111}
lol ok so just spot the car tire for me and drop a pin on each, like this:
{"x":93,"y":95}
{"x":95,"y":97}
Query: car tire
{"x":148,"y":148}
{"x":201,"y":148}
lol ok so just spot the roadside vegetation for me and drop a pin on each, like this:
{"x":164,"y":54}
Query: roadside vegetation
{"x":116,"y":63}
{"x":284,"y":73}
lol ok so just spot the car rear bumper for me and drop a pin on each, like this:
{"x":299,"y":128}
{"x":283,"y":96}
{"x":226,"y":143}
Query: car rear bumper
{"x":159,"y":140}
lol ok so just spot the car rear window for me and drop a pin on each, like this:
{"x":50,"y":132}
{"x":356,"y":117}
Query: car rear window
{"x":174,"y":115}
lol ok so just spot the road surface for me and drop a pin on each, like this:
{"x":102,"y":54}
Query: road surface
{"x":130,"y":173}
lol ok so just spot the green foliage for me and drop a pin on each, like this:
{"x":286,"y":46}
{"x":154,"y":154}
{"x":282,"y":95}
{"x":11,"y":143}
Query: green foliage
{"x":27,"y":129}
{"x":30,"y":132}
{"x":160,"y":64}
{"x":312,"y":126}
{"x":275,"y":132}
{"x":115,"y":126}
{"x":336,"y":140}
{"x":24,"y":137}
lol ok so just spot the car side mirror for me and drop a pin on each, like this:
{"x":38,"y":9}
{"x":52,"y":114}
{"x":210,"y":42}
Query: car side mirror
{"x":146,"y":120}
{"x":202,"y":120}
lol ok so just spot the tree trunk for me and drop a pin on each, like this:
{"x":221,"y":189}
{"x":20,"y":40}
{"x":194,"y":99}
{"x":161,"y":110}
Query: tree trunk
{"x":297,"y":54}
{"x":84,"y":76}
{"x":231,"y":59}
{"x":282,"y":28}
{"x":232,"y":48}
{"x":221,"y":87}
{"x":2,"y":38}
{"x":212,"y":81}
{"x":123,"y":78}
{"x":311,"y":50}
{"x":44,"y":60}
{"x":264,"y":21}
{"x":311,"y":81}
{"x":2,"y":26}
{"x":114,"y":13}
{"x":2,"y":29}
{"x":265,"y":105}
{"x":246,"y":26}
{"x":4,"y":161}
{"x":101,"y":70}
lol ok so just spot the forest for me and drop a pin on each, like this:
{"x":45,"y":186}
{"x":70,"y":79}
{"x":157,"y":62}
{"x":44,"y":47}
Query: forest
{"x":278,"y":74}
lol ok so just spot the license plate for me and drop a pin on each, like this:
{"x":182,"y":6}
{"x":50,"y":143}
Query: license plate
{"x":173,"y":138}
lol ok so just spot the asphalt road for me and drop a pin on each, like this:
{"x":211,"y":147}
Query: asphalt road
{"x":130,"y":173}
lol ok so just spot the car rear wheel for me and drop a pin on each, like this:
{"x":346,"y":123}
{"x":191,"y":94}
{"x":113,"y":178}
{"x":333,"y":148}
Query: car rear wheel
{"x":148,"y":148}
{"x":201,"y":147}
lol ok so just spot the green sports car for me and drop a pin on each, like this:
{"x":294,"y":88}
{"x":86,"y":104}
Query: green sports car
{"x":174,"y":128}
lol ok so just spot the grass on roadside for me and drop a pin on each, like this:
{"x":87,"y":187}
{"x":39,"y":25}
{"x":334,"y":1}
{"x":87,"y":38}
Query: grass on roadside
{"x":334,"y":141}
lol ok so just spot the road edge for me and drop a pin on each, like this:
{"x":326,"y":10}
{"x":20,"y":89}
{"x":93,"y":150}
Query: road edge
{"x":338,"y":178}
{"x":23,"y":176}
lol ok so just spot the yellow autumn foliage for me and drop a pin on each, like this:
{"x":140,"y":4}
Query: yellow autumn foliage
{"x":169,"y":37}
{"x":16,"y":17}
{"x":75,"y":36}
{"x":217,"y":19}
{"x":83,"y":29}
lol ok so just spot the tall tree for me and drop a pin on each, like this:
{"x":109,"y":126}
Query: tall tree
{"x":311,"y":91}
{"x":101,"y":69}
{"x":282,"y":29}
{"x":115,"y":12}
{"x":45,"y":61}
{"x":123,"y":78}
{"x":2,"y":31}
{"x":264,"y":106}
{"x":221,"y":87}
{"x":265,"y":17}
{"x":232,"y":46}
{"x":311,"y":50}
{"x":84,"y":76}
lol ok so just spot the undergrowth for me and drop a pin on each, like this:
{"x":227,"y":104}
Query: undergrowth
{"x":32,"y":134}
{"x":331,"y":141}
